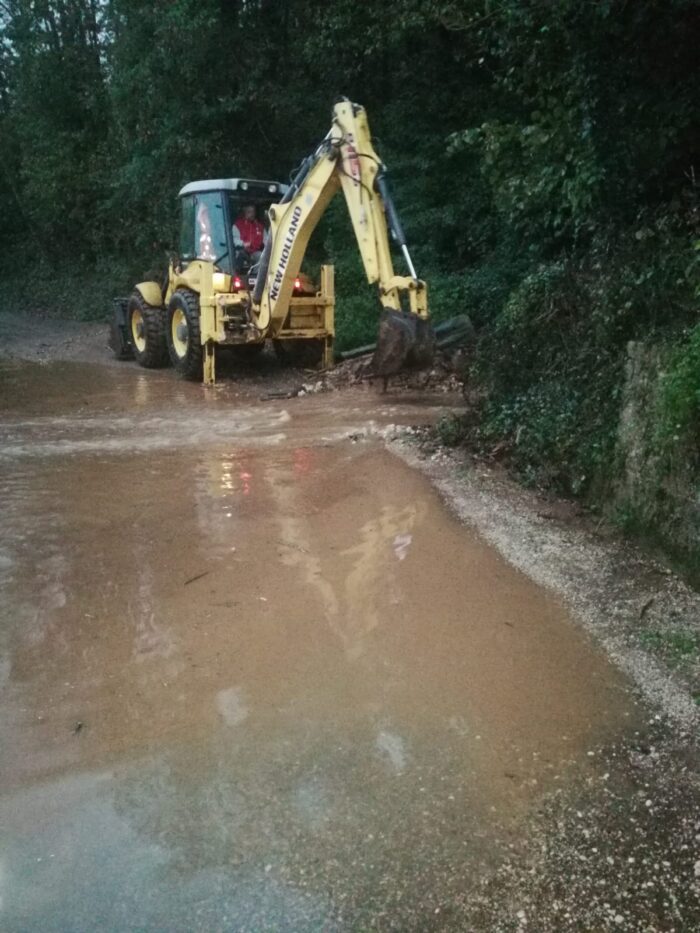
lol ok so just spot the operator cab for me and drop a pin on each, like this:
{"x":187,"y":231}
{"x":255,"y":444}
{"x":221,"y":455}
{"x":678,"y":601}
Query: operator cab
{"x":209,"y":210}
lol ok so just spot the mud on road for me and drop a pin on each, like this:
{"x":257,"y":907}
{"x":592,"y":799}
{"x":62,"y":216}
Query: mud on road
{"x":255,"y":674}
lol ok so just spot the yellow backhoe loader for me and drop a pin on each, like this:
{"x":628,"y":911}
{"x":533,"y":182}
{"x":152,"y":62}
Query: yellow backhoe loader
{"x":217,"y":295}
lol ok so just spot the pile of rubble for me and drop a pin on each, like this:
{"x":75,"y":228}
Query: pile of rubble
{"x":445,"y":375}
{"x":454,"y":343}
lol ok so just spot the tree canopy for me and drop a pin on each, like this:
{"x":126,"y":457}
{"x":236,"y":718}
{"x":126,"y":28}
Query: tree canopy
{"x":543,"y":120}
{"x":545,"y":157}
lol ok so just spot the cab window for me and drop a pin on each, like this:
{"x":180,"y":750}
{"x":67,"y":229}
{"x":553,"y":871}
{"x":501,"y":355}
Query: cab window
{"x":211,"y":241}
{"x":187,"y":227}
{"x":203,"y":234}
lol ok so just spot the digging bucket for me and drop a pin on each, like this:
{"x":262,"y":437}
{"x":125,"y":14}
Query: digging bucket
{"x":405,"y":341}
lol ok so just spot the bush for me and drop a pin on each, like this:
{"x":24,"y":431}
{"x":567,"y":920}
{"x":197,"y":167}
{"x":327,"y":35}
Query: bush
{"x":553,"y":357}
{"x":680,"y":396}
{"x":450,"y":430}
{"x":77,"y":292}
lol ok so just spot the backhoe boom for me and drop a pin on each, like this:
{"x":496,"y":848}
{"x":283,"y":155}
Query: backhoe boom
{"x":205,"y":301}
{"x":345,"y":160}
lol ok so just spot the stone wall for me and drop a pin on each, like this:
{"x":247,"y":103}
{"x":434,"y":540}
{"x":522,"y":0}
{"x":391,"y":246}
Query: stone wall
{"x":657,"y":489}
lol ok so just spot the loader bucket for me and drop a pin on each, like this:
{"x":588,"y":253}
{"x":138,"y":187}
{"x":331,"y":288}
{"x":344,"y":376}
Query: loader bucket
{"x":405,"y":341}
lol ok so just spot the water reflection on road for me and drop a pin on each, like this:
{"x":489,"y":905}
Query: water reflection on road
{"x":253,"y":675}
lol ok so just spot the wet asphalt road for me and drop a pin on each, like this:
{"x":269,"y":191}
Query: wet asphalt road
{"x":253,"y":674}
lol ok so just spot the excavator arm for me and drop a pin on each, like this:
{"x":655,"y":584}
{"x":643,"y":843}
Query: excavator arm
{"x":345,"y":160}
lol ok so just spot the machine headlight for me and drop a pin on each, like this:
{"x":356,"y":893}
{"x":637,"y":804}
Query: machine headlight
{"x":220,"y":282}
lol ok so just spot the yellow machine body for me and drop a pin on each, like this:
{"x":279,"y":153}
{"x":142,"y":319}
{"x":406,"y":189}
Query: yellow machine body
{"x":346,"y":162}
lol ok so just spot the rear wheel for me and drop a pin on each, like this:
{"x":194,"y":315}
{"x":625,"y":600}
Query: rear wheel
{"x":117,"y":344}
{"x":184,"y":335}
{"x":146,"y":328}
{"x":119,"y":340}
{"x":247,"y":352}
{"x":298,"y":352}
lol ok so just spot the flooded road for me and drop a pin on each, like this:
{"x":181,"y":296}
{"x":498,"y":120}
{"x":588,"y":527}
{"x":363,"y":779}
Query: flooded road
{"x":253,"y":674}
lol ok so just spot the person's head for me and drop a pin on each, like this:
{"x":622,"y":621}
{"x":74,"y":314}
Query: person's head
{"x":248,"y":211}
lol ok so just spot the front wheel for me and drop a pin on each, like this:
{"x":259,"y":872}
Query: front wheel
{"x":146,"y":332}
{"x":183,"y":334}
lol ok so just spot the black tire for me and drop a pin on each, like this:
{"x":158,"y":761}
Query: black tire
{"x":298,"y":352}
{"x":185,"y":348}
{"x":118,"y":342}
{"x":147,"y":332}
{"x":247,"y":352}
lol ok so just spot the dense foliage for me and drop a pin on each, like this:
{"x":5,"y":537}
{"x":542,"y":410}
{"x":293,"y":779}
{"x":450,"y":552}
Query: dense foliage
{"x":545,"y":156}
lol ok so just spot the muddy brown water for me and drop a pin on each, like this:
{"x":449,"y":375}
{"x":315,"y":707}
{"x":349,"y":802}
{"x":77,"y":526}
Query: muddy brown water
{"x":253,"y":674}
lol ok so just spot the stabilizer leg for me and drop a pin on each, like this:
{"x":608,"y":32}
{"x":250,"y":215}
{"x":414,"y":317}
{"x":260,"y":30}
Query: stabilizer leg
{"x":209,"y":373}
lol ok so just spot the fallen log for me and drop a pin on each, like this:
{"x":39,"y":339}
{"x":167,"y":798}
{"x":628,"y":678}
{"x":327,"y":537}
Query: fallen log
{"x":448,"y":334}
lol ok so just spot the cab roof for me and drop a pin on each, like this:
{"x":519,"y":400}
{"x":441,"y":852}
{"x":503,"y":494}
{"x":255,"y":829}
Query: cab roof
{"x":233,"y":184}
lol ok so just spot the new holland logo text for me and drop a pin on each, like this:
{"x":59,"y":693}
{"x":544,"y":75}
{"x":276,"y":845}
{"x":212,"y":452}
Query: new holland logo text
{"x":286,"y":250}
{"x":353,"y":159}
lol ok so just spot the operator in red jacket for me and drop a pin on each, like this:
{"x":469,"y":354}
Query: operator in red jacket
{"x":249,"y":233}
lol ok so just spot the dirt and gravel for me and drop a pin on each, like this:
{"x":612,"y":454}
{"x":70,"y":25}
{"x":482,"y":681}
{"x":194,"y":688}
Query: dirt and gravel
{"x":43,"y":339}
{"x":528,"y":685}
{"x":619,"y":850}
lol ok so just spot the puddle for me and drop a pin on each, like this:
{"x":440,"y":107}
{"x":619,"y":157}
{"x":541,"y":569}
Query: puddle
{"x":250,"y":685}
